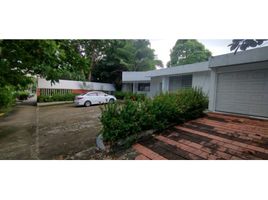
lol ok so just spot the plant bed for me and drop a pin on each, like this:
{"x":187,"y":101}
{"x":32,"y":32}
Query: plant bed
{"x":56,"y":98}
{"x":54,"y":103}
{"x":124,"y":124}
{"x":123,"y":143}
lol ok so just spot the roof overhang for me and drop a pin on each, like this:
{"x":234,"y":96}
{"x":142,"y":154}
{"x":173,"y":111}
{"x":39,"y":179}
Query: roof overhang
{"x":242,"y":57}
{"x":135,"y":77}
{"x":182,"y":69}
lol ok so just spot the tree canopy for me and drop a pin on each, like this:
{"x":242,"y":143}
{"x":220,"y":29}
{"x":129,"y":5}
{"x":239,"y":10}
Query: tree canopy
{"x":188,"y":52}
{"x":124,"y":55}
{"x":52,"y":59}
{"x":98,"y":60}
{"x":244,"y":44}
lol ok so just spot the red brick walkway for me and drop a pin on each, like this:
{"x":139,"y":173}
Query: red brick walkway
{"x":215,"y":136}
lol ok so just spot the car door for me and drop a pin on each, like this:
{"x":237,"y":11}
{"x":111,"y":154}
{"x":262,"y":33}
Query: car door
{"x":92,"y":97}
{"x":101,"y":97}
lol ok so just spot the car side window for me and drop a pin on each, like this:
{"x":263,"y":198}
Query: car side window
{"x":91,"y":94}
{"x":100,"y":94}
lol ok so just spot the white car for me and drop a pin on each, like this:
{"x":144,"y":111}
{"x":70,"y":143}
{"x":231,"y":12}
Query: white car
{"x":93,"y":97}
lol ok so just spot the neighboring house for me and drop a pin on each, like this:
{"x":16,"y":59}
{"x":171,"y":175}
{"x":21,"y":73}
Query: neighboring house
{"x":45,"y":87}
{"x":235,"y":83}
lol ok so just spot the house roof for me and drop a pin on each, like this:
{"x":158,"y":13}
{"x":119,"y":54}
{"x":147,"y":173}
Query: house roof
{"x":248,"y":56}
{"x":135,"y":76}
{"x":182,"y":69}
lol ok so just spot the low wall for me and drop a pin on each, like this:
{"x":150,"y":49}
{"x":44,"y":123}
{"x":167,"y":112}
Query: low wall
{"x":75,"y":87}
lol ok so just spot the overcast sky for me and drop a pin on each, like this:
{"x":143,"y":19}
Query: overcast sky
{"x":162,"y":47}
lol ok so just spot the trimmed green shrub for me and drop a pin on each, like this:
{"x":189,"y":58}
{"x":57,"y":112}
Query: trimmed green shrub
{"x":192,"y":103}
{"x":129,"y":96}
{"x":56,"y":97}
{"x":120,"y":121}
{"x":7,"y":97}
{"x":129,"y":119}
{"x":22,"y":95}
{"x":120,"y":94}
{"x":165,"y":110}
{"x":135,"y":97}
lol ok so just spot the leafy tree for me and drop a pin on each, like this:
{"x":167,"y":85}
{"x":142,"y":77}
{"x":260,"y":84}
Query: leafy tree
{"x":94,"y":50}
{"x":124,"y":55}
{"x":141,"y":56}
{"x":73,"y":59}
{"x":244,"y":44}
{"x":51,"y":59}
{"x":187,"y":52}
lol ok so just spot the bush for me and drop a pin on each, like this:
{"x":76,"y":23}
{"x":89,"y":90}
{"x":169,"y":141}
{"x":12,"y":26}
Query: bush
{"x":165,"y":110}
{"x":135,"y":97}
{"x":116,"y":121}
{"x":56,"y":97}
{"x":7,"y":97}
{"x":22,"y":95}
{"x":120,"y":95}
{"x":122,"y":121}
{"x":192,"y":103}
{"x":129,"y":96}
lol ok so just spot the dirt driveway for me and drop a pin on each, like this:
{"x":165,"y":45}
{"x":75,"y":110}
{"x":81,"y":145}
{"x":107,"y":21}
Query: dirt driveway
{"x":51,"y":132}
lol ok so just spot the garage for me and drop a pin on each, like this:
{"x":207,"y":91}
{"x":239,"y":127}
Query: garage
{"x":243,"y":92}
{"x":239,"y":83}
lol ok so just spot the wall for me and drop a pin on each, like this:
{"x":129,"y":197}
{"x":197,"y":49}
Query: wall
{"x":202,"y":80}
{"x":135,"y":76}
{"x":75,"y":85}
{"x":155,"y":86}
{"x":127,"y":87}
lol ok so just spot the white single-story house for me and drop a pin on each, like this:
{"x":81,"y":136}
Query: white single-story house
{"x":234,"y":83}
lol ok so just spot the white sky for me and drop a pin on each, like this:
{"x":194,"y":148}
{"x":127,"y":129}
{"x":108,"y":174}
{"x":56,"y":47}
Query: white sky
{"x":162,"y":47}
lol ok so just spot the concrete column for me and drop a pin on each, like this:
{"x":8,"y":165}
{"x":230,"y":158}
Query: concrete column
{"x":212,"y":90}
{"x":135,"y":87}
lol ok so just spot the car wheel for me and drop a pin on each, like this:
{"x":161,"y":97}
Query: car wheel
{"x":87,"y":103}
{"x":111,"y":101}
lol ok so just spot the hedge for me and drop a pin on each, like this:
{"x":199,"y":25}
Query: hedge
{"x":121,"y":121}
{"x":56,"y":97}
{"x":129,"y":95}
{"x":7,"y":97}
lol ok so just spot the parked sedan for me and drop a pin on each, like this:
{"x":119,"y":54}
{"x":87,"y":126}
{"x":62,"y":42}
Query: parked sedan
{"x":93,"y":97}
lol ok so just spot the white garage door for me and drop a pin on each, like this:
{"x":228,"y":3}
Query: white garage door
{"x":244,"y":92}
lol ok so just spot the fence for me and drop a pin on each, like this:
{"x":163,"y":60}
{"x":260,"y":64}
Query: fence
{"x":67,"y":86}
{"x":50,"y":92}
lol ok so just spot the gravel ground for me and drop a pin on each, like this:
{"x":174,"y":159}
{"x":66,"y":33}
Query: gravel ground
{"x":52,"y":132}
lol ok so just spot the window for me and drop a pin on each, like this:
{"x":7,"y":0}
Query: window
{"x":144,"y":87}
{"x":100,"y":93}
{"x":186,"y":81}
{"x":180,"y":82}
{"x":91,"y":94}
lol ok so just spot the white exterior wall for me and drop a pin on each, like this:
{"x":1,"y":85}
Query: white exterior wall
{"x":155,"y":86}
{"x":135,"y":76}
{"x":66,"y":84}
{"x":202,"y":80}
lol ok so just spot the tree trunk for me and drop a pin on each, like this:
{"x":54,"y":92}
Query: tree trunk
{"x":91,"y":68}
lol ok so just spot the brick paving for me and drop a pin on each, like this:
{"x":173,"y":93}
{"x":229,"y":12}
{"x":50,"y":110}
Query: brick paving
{"x":213,"y":137}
